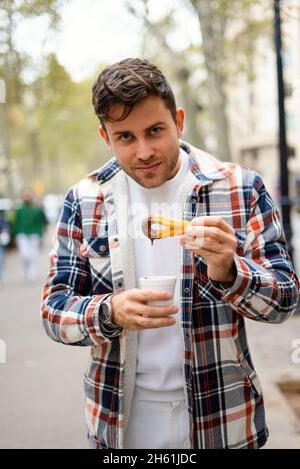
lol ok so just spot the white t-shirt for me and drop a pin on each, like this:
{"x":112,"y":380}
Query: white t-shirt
{"x":159,"y":367}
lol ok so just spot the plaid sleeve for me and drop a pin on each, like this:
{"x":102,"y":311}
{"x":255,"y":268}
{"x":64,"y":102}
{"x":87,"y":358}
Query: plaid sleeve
{"x":266,"y":287}
{"x":70,"y":312}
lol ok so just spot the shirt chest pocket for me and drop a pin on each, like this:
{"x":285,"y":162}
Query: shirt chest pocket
{"x":96,"y":249}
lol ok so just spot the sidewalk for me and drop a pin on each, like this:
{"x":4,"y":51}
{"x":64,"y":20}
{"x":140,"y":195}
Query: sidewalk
{"x":271,"y":350}
{"x":42,"y":393}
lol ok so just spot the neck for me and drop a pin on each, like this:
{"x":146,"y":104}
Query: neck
{"x":177,"y":167}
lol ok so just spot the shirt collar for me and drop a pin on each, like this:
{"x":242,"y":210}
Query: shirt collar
{"x":204,"y":166}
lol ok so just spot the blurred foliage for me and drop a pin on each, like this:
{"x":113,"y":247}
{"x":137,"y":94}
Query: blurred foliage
{"x":221,"y":23}
{"x":48,"y":128}
{"x":12,"y":61}
{"x":230,"y":31}
{"x":183,"y":67}
{"x":68,"y":136}
{"x":48,"y":135}
{"x":55,"y":137}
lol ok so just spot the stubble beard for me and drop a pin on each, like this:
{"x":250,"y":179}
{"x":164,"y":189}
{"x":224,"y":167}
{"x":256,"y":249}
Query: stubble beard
{"x":169,"y":165}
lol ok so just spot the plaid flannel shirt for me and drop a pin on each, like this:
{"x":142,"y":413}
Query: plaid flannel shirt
{"x":224,"y":396}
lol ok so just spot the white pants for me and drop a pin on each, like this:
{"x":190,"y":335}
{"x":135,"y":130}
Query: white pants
{"x":28,"y":246}
{"x":158,"y":425}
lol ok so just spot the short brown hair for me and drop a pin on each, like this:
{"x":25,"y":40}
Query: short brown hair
{"x":127,"y":82}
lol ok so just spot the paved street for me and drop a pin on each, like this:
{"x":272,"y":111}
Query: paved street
{"x":42,"y":400}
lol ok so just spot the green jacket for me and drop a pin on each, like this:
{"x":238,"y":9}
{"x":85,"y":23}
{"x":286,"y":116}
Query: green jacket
{"x":29,"y":219}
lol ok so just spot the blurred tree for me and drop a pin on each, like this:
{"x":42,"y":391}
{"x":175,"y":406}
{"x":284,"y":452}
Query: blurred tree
{"x":69,"y":142}
{"x":51,"y":93}
{"x":216,"y":18}
{"x":180,"y":64}
{"x":12,"y":64}
{"x":229,"y":32}
{"x":212,"y":19}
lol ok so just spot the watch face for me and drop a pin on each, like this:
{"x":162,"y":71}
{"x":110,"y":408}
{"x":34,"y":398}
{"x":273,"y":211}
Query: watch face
{"x":106,"y":312}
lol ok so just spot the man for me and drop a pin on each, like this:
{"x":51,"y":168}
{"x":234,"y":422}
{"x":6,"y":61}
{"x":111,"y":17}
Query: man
{"x":29,"y":225}
{"x":4,"y":240}
{"x":166,"y":376}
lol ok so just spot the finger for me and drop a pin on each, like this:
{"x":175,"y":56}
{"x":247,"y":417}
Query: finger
{"x":208,"y":245}
{"x":151,"y":323}
{"x":203,"y":234}
{"x":218,"y":222}
{"x":194,"y":235}
{"x":193,"y":231}
{"x":216,"y":234}
{"x":193,"y":243}
{"x":156,"y":311}
{"x":151,"y":295}
{"x":215,"y":248}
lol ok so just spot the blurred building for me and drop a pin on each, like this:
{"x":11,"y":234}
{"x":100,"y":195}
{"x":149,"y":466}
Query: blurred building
{"x":253,"y":111}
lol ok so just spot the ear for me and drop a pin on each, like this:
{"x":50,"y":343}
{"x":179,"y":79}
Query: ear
{"x":104,"y":135}
{"x":179,"y":121}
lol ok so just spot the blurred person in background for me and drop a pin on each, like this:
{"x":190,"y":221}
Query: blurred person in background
{"x":4,"y":240}
{"x":29,"y":227}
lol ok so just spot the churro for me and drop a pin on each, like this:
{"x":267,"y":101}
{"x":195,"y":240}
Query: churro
{"x":167,"y":227}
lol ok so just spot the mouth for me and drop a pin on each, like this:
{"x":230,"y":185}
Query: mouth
{"x":149,"y":169}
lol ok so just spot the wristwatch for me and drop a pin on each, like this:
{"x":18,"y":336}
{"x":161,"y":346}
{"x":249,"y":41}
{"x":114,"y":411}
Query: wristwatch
{"x":106,"y":310}
{"x":107,"y":328}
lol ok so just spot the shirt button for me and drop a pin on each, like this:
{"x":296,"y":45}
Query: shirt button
{"x":186,"y":290}
{"x":102,"y":248}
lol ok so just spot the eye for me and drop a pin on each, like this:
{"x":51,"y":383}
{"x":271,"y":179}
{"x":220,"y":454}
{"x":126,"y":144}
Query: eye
{"x":155,"y":130}
{"x":125,"y":137}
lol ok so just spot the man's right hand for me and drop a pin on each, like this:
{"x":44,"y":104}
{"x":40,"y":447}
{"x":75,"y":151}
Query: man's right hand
{"x":130,"y":311}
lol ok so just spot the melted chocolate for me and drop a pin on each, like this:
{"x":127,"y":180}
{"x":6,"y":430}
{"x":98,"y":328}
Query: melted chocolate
{"x":148,"y":231}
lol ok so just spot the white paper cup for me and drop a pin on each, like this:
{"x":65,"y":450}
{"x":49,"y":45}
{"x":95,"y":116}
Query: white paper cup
{"x":161,"y":283}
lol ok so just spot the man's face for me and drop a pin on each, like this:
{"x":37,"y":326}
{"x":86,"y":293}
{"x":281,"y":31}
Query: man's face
{"x":146,"y":142}
{"x":27,"y":197}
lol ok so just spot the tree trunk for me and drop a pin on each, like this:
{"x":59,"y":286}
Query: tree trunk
{"x":193,"y":132}
{"x":212,"y":24}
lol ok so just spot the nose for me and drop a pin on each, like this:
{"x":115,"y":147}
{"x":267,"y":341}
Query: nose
{"x":143,"y":150}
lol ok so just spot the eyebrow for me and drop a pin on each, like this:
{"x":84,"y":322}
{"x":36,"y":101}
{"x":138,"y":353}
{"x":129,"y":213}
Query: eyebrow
{"x":155,"y":124}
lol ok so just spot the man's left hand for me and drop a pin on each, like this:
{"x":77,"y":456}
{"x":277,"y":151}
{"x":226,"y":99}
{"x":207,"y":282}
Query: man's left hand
{"x":214,"y":240}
